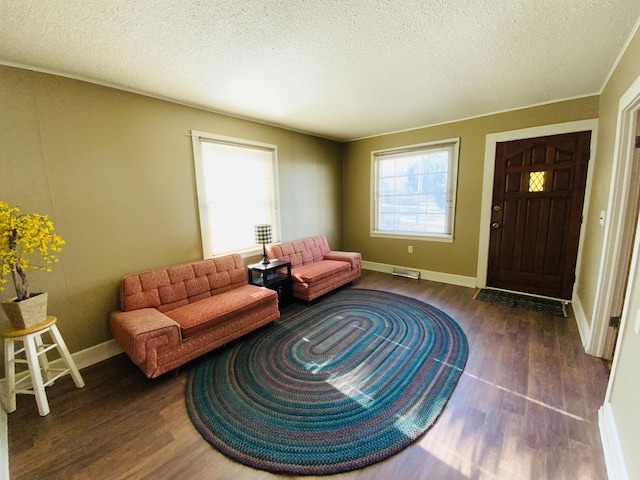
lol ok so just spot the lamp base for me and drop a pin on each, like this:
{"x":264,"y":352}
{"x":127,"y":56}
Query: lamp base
{"x":265,"y":260}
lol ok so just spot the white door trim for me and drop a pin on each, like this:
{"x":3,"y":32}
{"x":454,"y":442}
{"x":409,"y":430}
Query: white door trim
{"x":628,"y":110}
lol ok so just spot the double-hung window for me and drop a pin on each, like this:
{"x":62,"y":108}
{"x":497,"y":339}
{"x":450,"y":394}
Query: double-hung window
{"x":237,"y":187}
{"x":414,"y":191}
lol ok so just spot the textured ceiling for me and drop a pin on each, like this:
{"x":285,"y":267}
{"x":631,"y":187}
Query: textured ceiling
{"x":340,"y":69}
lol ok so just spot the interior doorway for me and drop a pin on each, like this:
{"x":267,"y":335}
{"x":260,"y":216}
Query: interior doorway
{"x":614,"y":251}
{"x":629,"y":217}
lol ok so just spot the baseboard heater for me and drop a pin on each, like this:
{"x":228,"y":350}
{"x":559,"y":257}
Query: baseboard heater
{"x":403,"y":272}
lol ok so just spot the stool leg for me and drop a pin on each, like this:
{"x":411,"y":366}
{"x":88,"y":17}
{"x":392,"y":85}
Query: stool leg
{"x":44,"y":361}
{"x":36,"y":376}
{"x":66,"y":356}
{"x":10,"y":374}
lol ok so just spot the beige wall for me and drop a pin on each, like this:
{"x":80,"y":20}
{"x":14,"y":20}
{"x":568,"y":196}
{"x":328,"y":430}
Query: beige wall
{"x":624,"y":397}
{"x":461,"y":256}
{"x":114,"y":171}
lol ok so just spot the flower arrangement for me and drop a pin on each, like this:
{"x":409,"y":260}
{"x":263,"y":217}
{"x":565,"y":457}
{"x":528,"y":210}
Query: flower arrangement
{"x":21,"y":237}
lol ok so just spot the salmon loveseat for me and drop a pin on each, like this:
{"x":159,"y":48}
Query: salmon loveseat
{"x":172,"y":315}
{"x":315,"y":268}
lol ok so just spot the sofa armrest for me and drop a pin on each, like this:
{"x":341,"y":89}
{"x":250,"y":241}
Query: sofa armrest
{"x":354,"y":258}
{"x":143,"y":333}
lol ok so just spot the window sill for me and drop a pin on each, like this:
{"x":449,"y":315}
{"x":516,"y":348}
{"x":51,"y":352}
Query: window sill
{"x":412,"y":236}
{"x":244,"y":253}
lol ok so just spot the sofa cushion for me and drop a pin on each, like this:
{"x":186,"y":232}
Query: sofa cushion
{"x":173,"y":287}
{"x":224,"y":273}
{"x":135,"y":301}
{"x":316,"y":271}
{"x":354,"y":258}
{"x":300,"y":252}
{"x":201,"y":315}
{"x":172,"y":293}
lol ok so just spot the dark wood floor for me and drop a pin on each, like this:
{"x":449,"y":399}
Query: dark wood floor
{"x":525,"y":408}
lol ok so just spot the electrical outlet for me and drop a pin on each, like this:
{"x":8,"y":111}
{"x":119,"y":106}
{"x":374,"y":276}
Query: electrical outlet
{"x":636,"y":326}
{"x":601,"y":217}
{"x":410,"y":249}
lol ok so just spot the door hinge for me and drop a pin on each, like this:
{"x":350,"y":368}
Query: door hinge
{"x":638,"y":141}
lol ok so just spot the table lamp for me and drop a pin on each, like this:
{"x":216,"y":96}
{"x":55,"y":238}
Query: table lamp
{"x":263,"y":236}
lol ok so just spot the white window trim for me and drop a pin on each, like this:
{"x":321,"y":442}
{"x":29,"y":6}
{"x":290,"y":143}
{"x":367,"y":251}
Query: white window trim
{"x":203,"y":208}
{"x":453,"y":183}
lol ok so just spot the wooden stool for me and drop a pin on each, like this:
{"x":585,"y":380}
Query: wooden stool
{"x":36,"y":357}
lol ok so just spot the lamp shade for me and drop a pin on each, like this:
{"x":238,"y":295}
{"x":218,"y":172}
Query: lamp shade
{"x":263,"y":233}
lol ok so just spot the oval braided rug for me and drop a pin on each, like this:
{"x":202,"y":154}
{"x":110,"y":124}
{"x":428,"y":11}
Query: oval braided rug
{"x":333,"y":387}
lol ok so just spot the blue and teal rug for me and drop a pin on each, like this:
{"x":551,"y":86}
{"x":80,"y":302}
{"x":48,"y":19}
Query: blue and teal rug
{"x":337,"y":386}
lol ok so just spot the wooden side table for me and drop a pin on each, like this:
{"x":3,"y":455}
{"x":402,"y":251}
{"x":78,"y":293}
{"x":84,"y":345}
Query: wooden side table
{"x":35,"y":352}
{"x":270,"y":276}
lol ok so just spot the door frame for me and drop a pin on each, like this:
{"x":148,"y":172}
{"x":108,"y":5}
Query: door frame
{"x":623,"y":155}
{"x":488,"y":176}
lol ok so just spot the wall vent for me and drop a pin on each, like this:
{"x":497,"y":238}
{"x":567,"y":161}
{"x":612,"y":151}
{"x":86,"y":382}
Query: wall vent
{"x":403,"y":272}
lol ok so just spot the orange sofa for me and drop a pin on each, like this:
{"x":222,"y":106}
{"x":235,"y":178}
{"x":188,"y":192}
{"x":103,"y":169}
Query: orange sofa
{"x":172,"y":315}
{"x":315,"y":268}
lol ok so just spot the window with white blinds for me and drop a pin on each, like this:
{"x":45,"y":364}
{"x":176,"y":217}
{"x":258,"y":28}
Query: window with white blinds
{"x":237,"y":187}
{"x":414,"y":191}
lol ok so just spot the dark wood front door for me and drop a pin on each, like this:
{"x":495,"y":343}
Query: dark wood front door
{"x":538,"y":194}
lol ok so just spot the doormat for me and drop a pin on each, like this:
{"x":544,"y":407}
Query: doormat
{"x":524,"y":302}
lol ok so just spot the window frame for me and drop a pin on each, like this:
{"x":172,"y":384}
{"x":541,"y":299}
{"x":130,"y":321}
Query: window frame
{"x":452,"y":182}
{"x":197,"y":138}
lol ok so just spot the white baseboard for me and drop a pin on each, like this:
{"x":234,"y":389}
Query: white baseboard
{"x":613,"y":453}
{"x":82,"y":359}
{"x":581,"y":320}
{"x":424,"y":274}
{"x":96,"y":354}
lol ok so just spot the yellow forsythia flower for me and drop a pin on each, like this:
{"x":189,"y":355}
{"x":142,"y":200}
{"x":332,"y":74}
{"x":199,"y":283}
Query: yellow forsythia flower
{"x":21,"y":237}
